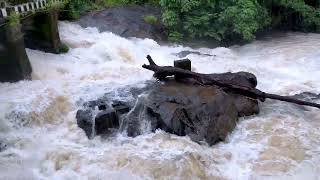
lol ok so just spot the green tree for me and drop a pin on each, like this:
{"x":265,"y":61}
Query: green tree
{"x":236,"y":19}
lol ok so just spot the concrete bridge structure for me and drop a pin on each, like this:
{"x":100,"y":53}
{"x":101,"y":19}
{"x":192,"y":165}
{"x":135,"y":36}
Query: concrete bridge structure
{"x":36,"y":27}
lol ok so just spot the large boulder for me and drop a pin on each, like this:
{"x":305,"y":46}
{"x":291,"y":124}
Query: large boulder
{"x":127,"y":21}
{"x":205,"y":113}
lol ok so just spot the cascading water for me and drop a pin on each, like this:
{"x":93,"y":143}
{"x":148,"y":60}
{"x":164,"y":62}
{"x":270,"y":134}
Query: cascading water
{"x":42,"y":140}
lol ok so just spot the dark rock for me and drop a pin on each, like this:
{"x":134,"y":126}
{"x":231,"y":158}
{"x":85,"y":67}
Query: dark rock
{"x":307,"y":96}
{"x":101,"y":104}
{"x":3,"y":146}
{"x":240,"y":78}
{"x":105,"y":120}
{"x":245,"y":106}
{"x":127,"y":21}
{"x":85,"y":121}
{"x":102,"y":107}
{"x":249,"y":77}
{"x":120,"y":107}
{"x":183,"y":54}
{"x":204,"y":113}
{"x":183,"y":64}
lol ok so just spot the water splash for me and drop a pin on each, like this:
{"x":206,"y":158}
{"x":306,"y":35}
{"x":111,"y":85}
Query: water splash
{"x":38,"y":126}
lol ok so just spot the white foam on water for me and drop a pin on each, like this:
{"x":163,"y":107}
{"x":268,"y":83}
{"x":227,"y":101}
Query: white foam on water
{"x":37,"y":119}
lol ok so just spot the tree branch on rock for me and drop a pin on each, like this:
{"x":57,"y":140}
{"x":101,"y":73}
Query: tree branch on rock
{"x":225,"y":80}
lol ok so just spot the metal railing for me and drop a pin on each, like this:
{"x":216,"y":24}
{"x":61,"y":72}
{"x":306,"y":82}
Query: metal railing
{"x":26,"y":7}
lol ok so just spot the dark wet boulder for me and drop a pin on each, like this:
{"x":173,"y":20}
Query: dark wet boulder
{"x":100,"y":123}
{"x":120,"y":107}
{"x":203,"y":112}
{"x":245,"y":106}
{"x":85,"y":121}
{"x":127,"y":21}
{"x":101,"y":115}
{"x":105,"y":120}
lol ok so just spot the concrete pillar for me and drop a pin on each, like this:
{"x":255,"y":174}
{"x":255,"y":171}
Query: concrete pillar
{"x":42,"y":33}
{"x":14,"y":62}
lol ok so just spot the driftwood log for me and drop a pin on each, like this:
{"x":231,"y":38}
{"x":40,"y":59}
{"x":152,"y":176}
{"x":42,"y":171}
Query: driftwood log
{"x":161,"y":72}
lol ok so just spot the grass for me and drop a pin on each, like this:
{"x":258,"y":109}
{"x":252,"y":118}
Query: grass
{"x":151,"y":19}
{"x":63,"y":48}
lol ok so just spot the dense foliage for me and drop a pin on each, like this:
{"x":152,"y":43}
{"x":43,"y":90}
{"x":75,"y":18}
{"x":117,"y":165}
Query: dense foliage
{"x":236,"y":19}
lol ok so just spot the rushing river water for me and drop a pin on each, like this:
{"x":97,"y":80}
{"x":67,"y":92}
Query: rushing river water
{"x":38,"y":126}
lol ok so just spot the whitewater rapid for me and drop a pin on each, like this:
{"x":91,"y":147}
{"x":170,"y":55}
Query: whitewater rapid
{"x":39,"y":130}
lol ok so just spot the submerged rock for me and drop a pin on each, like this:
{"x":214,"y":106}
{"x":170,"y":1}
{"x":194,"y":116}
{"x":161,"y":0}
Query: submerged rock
{"x":307,"y":96}
{"x":184,"y":54}
{"x":3,"y":146}
{"x":203,"y":112}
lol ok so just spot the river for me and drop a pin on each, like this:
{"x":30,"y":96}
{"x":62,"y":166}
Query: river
{"x":39,"y":129}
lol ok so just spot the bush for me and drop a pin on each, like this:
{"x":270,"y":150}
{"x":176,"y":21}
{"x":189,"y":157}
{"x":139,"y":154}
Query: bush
{"x":75,"y":8}
{"x":63,"y":48}
{"x":112,"y":3}
{"x":14,"y":19}
{"x":151,"y":19}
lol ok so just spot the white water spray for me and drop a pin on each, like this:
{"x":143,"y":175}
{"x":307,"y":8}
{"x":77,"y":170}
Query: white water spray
{"x":37,"y":119}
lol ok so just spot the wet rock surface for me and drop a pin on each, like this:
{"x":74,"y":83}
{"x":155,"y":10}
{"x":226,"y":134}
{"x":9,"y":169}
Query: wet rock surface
{"x":98,"y":117}
{"x":205,"y":113}
{"x":126,"y":21}
{"x":184,"y":54}
{"x":307,"y":96}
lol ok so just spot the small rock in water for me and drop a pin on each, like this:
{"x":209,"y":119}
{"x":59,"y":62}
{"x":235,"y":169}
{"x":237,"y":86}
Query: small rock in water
{"x":3,"y":146}
{"x":307,"y":96}
{"x":183,"y":54}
